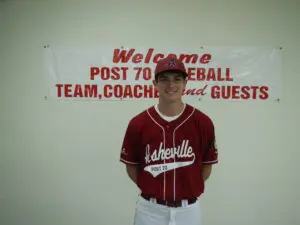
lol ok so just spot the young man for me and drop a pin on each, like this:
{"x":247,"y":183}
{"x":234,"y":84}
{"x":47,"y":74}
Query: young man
{"x":169,"y":150}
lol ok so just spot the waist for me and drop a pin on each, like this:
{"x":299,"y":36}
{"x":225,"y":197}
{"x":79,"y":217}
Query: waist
{"x":171,"y":203}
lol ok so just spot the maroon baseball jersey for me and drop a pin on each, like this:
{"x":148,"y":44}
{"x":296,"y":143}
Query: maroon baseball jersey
{"x":170,"y":155}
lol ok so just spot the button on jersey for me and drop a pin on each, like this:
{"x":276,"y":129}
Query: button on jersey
{"x":170,"y":155}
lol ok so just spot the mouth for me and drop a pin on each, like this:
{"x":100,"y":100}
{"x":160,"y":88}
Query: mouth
{"x":171,"y":92}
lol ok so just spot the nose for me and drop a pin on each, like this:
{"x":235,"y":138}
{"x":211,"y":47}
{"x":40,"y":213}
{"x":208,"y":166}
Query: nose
{"x":170,"y":82}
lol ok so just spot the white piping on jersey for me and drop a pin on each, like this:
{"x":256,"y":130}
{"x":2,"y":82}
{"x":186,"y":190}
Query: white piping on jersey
{"x":164,"y":137}
{"x":210,"y":161}
{"x":133,"y":163}
{"x":174,"y":184}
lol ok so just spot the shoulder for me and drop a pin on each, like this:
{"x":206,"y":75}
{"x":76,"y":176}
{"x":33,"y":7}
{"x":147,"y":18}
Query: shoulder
{"x":139,"y":119}
{"x":201,"y":117}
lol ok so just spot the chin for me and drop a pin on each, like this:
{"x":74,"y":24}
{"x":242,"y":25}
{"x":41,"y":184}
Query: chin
{"x":172,"y":98}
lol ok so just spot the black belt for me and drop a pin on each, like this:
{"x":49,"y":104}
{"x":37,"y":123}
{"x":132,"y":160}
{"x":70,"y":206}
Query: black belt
{"x":170,"y":203}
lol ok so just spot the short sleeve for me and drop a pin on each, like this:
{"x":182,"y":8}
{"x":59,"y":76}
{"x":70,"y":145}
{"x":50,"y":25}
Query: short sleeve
{"x":130,"y":145}
{"x":211,"y":153}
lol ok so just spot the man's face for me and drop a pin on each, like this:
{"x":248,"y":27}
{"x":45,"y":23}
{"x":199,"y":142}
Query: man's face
{"x":170,"y":85}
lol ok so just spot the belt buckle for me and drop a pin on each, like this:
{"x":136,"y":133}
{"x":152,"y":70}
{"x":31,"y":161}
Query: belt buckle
{"x":174,"y":204}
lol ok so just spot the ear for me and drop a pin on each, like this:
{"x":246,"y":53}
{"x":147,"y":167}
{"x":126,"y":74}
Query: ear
{"x":154,"y":82}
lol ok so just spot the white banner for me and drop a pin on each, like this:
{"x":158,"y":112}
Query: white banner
{"x":215,"y":73}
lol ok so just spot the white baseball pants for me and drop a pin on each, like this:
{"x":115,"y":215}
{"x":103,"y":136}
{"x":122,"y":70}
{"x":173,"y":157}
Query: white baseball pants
{"x":150,"y":213}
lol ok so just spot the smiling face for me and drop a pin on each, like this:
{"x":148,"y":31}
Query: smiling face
{"x":170,"y":86}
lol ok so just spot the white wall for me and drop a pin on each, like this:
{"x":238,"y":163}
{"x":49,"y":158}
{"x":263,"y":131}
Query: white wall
{"x":59,"y":166}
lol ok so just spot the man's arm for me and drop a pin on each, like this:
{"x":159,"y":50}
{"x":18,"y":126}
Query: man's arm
{"x":132,"y":171}
{"x":206,"y":171}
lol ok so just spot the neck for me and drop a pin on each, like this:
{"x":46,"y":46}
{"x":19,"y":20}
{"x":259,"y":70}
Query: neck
{"x":170,"y":108}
